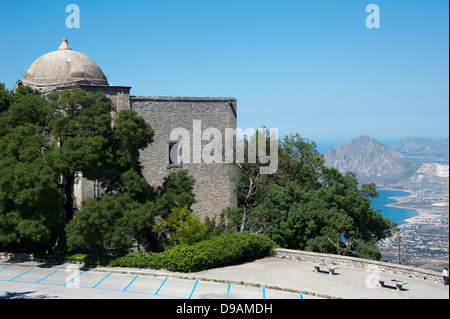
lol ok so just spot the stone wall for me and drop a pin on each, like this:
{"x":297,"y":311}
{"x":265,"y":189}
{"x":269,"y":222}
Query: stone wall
{"x":213,"y":187}
{"x":119,"y":96}
{"x":372,"y":265}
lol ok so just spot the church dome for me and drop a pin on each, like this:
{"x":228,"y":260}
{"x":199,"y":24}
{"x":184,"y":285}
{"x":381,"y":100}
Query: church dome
{"x":64,"y":67}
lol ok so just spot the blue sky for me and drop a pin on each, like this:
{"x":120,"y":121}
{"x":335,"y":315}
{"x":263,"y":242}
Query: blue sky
{"x":306,"y":66}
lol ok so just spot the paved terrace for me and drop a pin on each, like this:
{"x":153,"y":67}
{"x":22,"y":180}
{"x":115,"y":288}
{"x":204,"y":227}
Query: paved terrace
{"x":347,"y":282}
{"x":265,"y":278}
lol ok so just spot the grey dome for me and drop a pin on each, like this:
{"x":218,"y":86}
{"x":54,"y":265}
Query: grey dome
{"x":64,"y":66}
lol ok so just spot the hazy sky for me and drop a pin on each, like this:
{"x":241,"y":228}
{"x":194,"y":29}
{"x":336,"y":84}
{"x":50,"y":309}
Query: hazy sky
{"x":307,"y":66}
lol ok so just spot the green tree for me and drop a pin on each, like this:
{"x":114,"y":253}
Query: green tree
{"x":85,"y":141}
{"x":298,"y":170}
{"x":130,"y":134}
{"x":120,"y":220}
{"x":176,"y":191}
{"x":30,"y":202}
{"x":140,"y":221}
{"x":343,"y":194}
{"x":45,"y":142}
{"x":5,"y":98}
{"x":116,"y":221}
{"x":306,"y":205}
{"x":300,"y":165}
{"x":99,"y":225}
{"x":81,"y":132}
{"x":249,"y":178}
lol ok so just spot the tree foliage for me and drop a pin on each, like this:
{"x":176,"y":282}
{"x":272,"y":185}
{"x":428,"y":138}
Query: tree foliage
{"x":176,"y":191}
{"x":117,"y":221}
{"x":30,"y":201}
{"x":306,"y":205}
{"x":45,"y":142}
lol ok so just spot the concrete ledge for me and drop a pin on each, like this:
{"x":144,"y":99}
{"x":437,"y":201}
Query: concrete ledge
{"x":359,"y":263}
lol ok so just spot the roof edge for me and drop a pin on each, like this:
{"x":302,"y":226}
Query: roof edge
{"x":183,"y":99}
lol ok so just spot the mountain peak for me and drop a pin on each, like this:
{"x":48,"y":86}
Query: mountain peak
{"x":366,"y":137}
{"x":370,"y":160}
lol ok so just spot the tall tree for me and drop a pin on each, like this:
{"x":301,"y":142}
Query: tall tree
{"x":249,"y":177}
{"x":45,"y":141}
{"x":116,"y":221}
{"x":306,"y":205}
{"x":85,"y":141}
{"x":30,"y":202}
{"x":81,"y":132}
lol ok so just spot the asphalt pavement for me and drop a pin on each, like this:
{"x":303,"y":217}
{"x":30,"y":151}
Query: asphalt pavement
{"x":268,"y":278}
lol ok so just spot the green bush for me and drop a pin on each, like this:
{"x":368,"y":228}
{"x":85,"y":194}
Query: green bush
{"x":181,"y":227}
{"x":223,"y":250}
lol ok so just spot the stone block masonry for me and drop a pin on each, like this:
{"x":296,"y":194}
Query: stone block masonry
{"x":213,"y":185}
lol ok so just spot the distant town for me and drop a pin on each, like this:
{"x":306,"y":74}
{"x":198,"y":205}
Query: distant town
{"x":424,"y":239}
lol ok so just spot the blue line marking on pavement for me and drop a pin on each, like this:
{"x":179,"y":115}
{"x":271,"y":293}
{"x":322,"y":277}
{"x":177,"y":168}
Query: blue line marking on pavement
{"x":151,"y":294}
{"x":21,"y":274}
{"x":5,"y":268}
{"x":140,"y":292}
{"x":101,"y":280}
{"x":119,"y":290}
{"x":46,"y":277}
{"x":168,"y":296}
{"x":192,"y":292}
{"x":47,"y":283}
{"x":130,"y":283}
{"x":74,"y":278}
{"x":161,"y":286}
{"x":112,"y":289}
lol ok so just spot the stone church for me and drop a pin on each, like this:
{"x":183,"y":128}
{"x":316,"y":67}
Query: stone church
{"x":64,"y":68}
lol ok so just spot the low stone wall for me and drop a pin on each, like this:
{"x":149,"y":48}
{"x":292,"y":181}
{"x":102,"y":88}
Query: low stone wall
{"x":359,"y":263}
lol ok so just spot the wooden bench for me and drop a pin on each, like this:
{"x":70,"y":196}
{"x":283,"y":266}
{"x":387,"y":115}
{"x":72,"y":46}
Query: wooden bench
{"x":398,"y":283}
{"x":331,"y":269}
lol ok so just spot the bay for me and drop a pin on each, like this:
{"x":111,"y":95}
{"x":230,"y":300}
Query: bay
{"x":396,"y":215}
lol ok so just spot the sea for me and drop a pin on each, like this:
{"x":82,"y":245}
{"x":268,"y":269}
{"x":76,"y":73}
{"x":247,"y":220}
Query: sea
{"x":395,"y":215}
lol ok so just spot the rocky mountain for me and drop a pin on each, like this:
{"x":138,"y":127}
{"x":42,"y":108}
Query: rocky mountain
{"x":431,"y":173}
{"x":420,"y":149}
{"x":371,"y":161}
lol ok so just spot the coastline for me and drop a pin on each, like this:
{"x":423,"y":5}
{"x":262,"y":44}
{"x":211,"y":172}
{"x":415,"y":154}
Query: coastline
{"x":405,"y":202}
{"x":401,"y":203}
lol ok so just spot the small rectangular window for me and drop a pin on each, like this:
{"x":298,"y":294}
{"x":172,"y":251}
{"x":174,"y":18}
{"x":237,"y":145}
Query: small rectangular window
{"x":174,"y":154}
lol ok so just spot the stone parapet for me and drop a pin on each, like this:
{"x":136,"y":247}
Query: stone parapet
{"x":358,"y":263}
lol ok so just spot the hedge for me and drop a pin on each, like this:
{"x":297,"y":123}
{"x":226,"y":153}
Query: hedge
{"x":223,"y":250}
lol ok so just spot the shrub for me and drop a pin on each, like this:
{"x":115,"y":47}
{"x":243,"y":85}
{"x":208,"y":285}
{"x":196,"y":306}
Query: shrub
{"x":181,"y":227}
{"x":223,"y":250}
